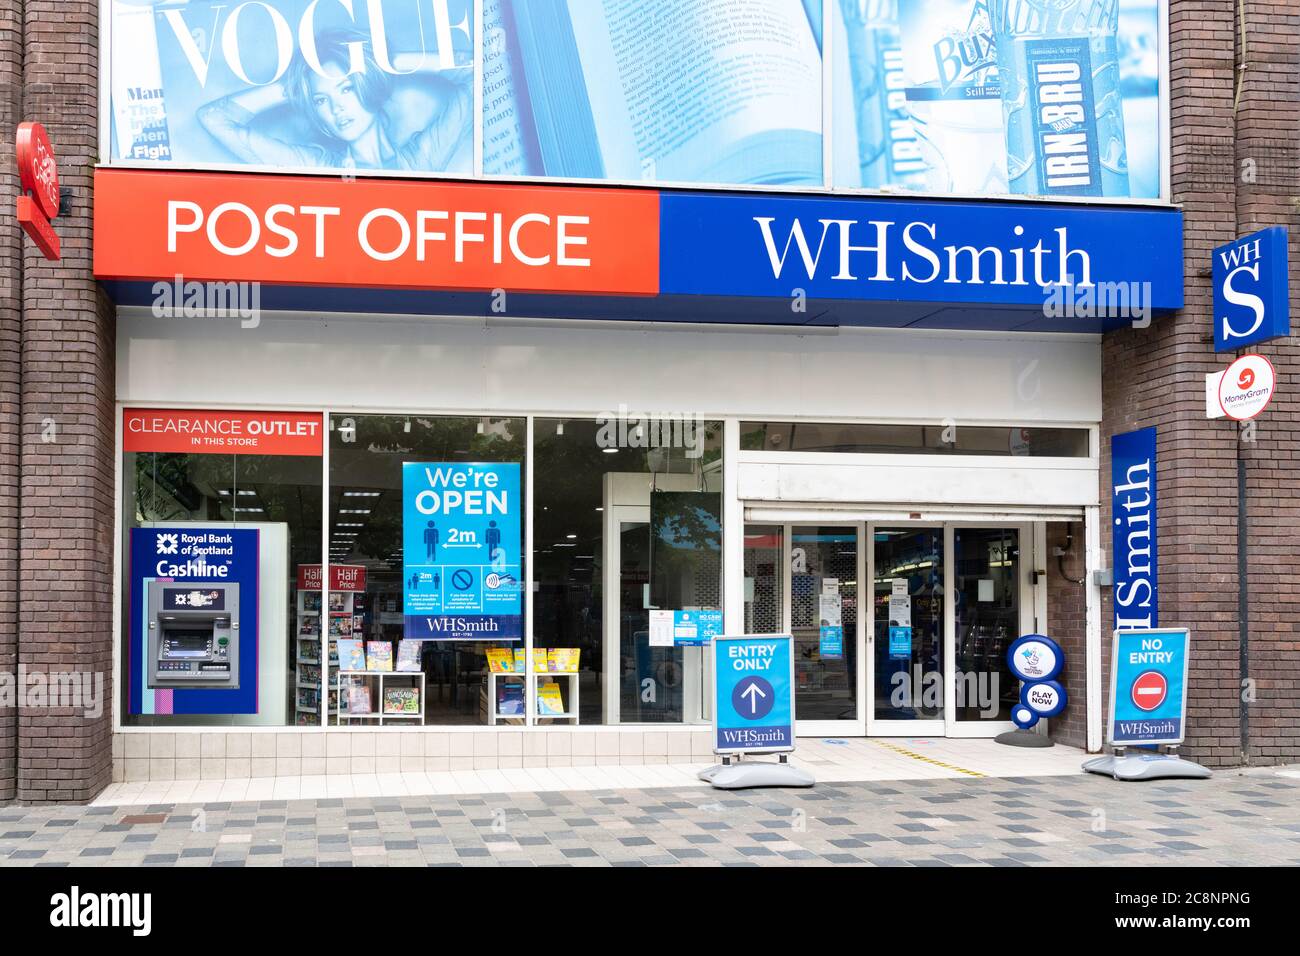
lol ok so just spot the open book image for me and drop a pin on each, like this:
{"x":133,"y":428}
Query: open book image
{"x":691,"y":91}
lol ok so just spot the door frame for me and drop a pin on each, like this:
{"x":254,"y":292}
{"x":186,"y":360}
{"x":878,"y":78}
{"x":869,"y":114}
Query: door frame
{"x":1033,"y":597}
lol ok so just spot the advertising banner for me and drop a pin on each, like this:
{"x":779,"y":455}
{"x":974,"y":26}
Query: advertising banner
{"x":461,"y":550}
{"x":295,"y":84}
{"x":203,"y":432}
{"x":1148,"y":686}
{"x":988,"y":97}
{"x":945,"y":97}
{"x":197,"y":556}
{"x":1133,"y":533}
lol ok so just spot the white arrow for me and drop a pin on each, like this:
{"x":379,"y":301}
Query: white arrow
{"x":753,"y":693}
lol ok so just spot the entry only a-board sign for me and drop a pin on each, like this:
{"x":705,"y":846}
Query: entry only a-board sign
{"x":753,"y":712}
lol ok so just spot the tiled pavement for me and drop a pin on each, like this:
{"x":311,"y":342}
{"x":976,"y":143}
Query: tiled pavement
{"x":1232,"y":819}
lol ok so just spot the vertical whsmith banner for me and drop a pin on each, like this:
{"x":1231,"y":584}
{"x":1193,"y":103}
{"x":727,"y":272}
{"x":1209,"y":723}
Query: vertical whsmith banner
{"x":1133,"y":528}
{"x":461,"y":566}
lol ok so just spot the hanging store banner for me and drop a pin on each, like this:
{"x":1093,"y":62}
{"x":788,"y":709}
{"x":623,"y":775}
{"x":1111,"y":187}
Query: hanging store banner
{"x":1251,"y":290}
{"x":1133,"y":532}
{"x":461,"y":548}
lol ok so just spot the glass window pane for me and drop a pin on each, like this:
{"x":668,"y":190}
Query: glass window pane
{"x":406,"y":682}
{"x":987,"y":581}
{"x":627,"y":521}
{"x":764,"y":589}
{"x":823,"y":620}
{"x":937,"y":439}
{"x":257,"y":672}
{"x":908,"y":594}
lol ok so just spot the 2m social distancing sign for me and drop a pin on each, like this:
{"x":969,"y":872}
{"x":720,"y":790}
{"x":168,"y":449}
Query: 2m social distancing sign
{"x":1148,"y":686}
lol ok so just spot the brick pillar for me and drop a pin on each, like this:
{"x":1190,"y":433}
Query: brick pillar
{"x":1267,"y":191}
{"x":1067,"y":625}
{"x":11,"y":245}
{"x":66,"y":508}
{"x":1155,"y":376}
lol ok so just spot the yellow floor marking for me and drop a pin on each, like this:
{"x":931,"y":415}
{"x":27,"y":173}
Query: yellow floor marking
{"x":924,"y":759}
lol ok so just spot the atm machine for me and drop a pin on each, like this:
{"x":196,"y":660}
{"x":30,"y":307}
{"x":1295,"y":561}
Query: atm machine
{"x":193,"y":635}
{"x":193,"y":632}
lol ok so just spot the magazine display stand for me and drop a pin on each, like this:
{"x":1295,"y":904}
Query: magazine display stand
{"x":571,"y":706}
{"x":307,"y":663}
{"x":379,"y":682}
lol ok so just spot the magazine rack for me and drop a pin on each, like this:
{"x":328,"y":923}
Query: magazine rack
{"x":530,"y":680}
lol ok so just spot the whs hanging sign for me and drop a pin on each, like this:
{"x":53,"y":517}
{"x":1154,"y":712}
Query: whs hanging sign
{"x":1251,"y":300}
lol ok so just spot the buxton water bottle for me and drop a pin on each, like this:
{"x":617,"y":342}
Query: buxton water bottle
{"x":889,"y":149}
{"x":1058,"y":64}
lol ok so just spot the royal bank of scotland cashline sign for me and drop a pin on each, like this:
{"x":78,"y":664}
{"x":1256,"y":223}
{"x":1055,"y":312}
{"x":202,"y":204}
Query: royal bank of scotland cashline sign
{"x":753,"y":711}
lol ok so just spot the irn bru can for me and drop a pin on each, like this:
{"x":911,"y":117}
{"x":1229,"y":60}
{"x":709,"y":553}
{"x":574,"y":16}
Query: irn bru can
{"x":1058,"y":66}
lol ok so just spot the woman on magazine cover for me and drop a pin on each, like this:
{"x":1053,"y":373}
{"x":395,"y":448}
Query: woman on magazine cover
{"x":364,"y":120}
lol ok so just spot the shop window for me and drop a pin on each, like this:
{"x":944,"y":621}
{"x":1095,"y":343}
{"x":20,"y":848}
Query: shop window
{"x":431,"y":509}
{"x":214,"y":545}
{"x":937,"y":439}
{"x":627,"y":554}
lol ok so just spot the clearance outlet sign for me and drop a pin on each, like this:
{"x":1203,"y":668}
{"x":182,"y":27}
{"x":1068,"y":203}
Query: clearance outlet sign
{"x":221,"y":432}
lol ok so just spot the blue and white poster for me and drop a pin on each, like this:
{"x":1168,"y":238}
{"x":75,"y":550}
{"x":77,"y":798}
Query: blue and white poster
{"x":1148,"y":690}
{"x":299,"y":84}
{"x":753,"y":694}
{"x":196,"y":555}
{"x":1133,"y":528}
{"x":461,"y":549}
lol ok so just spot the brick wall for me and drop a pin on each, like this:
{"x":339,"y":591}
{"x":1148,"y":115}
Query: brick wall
{"x":1155,"y":376}
{"x":66,"y":484}
{"x":11,"y":245}
{"x":1066,"y":625}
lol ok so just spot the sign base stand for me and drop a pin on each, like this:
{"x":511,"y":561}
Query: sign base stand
{"x":1024,"y":738}
{"x":742,"y":775}
{"x":1146,"y":766}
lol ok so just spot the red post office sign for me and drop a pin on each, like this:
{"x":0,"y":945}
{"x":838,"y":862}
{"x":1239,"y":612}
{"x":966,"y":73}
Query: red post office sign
{"x":38,"y":175}
{"x":343,"y":577}
{"x":312,"y":230}
{"x":222,"y":432}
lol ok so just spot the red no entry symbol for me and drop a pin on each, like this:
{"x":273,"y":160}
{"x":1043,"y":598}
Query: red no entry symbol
{"x":1149,"y":690}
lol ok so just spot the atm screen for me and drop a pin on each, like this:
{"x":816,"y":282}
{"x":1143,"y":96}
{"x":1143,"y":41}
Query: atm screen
{"x":187,"y":643}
